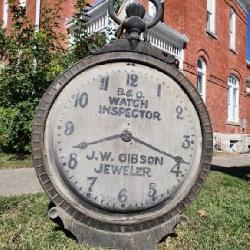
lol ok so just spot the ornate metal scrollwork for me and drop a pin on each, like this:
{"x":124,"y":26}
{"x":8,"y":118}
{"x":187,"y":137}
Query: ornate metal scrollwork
{"x":134,"y":24}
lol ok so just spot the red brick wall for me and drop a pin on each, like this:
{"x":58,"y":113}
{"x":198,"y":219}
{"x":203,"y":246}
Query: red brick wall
{"x":189,"y":17}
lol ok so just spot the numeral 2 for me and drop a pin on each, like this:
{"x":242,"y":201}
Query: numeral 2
{"x":104,"y":83}
{"x":179,"y":111}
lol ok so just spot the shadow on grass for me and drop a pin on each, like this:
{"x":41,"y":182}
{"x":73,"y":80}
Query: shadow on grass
{"x":59,"y":225}
{"x":242,"y":172}
{"x":18,"y":157}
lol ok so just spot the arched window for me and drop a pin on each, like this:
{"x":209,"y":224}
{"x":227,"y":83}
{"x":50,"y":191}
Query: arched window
{"x":201,"y":78}
{"x":233,"y":99}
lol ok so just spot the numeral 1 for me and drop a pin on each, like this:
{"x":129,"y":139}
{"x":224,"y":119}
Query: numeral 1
{"x":159,"y":90}
{"x":104,"y":83}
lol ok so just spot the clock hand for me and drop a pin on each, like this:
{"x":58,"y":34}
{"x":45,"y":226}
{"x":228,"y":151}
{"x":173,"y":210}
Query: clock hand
{"x":178,"y":159}
{"x":84,"y":145}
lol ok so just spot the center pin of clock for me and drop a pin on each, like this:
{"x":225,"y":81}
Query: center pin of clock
{"x":126,"y":136}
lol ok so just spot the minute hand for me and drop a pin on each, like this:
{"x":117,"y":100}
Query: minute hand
{"x":177,"y":158}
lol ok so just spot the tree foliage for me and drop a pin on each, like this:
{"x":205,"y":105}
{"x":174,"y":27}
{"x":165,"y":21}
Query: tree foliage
{"x":31,"y":59}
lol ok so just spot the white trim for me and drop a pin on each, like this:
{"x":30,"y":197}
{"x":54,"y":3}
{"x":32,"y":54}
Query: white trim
{"x":202,"y":78}
{"x":23,"y":3}
{"x":233,"y":99}
{"x":232,"y":30}
{"x":211,"y":16}
{"x":38,"y":13}
{"x":5,"y":13}
{"x":161,"y":35}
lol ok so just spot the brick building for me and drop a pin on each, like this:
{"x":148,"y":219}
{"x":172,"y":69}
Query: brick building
{"x":208,"y":37}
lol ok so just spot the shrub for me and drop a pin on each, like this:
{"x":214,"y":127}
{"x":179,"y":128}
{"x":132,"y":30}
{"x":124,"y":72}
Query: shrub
{"x":31,"y":60}
{"x":15,"y":127}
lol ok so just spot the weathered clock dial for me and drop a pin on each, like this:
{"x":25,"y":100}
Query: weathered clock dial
{"x":124,"y":136}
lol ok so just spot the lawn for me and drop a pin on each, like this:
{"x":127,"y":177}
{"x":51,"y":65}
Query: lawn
{"x":218,"y":219}
{"x":15,"y":161}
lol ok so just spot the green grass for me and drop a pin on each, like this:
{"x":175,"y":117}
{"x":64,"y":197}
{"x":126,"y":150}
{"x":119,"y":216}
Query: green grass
{"x":225,"y":201}
{"x":8,"y":161}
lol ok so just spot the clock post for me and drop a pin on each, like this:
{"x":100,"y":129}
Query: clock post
{"x":122,"y":141}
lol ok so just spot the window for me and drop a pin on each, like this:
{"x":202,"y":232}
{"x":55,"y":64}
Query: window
{"x":38,"y":13}
{"x":232,"y":29}
{"x":211,"y":16}
{"x":201,"y":78}
{"x":22,"y":3}
{"x":5,"y":12}
{"x":233,"y":99}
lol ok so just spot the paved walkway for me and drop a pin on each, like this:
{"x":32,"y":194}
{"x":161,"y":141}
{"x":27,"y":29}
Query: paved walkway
{"x":24,"y":180}
{"x":18,"y":181}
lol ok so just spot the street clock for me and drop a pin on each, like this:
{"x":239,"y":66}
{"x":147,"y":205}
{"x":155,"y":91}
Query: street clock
{"x":122,"y":142}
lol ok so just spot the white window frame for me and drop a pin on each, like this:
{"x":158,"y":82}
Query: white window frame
{"x":5,"y":13}
{"x":38,"y":13}
{"x":201,"y":78}
{"x":233,"y":99}
{"x":232,"y":30}
{"x":23,"y":3}
{"x":211,"y":16}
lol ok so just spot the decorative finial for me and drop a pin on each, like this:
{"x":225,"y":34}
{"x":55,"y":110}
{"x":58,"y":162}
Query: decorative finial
{"x":135,"y":9}
{"x":134,"y":25}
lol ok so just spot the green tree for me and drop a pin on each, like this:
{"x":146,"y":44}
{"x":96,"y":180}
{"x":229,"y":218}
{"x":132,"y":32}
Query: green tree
{"x":82,"y":41}
{"x":31,"y":59}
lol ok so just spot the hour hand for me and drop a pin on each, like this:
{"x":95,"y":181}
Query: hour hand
{"x":84,"y":145}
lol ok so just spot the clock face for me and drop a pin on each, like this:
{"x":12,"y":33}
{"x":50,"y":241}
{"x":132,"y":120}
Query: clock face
{"x":123,"y":137}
